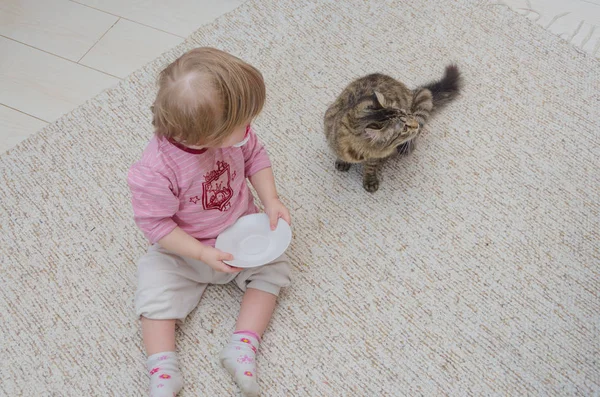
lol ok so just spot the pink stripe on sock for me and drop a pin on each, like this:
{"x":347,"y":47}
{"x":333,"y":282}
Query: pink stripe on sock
{"x":249,"y":333}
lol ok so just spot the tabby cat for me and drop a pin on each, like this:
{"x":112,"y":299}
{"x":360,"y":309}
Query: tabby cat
{"x":377,"y":116}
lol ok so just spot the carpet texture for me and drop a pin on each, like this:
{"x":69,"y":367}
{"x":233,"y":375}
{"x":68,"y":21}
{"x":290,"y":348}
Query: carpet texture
{"x":574,"y":20}
{"x":474,"y":270}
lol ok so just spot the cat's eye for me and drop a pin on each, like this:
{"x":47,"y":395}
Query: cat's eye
{"x":374,"y":126}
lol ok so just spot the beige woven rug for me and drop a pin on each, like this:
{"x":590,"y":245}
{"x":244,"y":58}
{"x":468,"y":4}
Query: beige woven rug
{"x":473,"y":271}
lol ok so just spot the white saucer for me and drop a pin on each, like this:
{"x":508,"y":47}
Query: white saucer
{"x":252,"y":242}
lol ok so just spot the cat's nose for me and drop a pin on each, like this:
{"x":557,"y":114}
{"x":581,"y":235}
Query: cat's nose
{"x":412,"y":124}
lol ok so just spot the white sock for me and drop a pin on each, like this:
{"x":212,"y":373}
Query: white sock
{"x":165,"y":378}
{"x":239,"y":358}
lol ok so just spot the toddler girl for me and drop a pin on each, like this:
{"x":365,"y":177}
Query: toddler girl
{"x":188,"y":187}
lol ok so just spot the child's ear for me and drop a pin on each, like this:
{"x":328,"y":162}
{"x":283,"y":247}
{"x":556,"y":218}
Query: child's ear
{"x":380,"y":99}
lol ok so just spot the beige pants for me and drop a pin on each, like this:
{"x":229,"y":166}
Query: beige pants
{"x":170,"y":286}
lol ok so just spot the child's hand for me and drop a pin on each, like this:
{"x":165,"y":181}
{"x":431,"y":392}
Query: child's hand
{"x":275,"y":210}
{"x":214,"y":258}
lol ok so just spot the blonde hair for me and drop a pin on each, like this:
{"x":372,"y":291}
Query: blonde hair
{"x":204,"y":95}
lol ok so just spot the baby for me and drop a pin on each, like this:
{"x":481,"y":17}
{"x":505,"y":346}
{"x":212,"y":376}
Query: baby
{"x":188,"y":187}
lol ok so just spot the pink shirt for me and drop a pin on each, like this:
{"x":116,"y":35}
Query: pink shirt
{"x":201,"y":191}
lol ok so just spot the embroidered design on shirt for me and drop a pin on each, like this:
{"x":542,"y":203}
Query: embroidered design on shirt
{"x":217,"y":191}
{"x":195,"y":199}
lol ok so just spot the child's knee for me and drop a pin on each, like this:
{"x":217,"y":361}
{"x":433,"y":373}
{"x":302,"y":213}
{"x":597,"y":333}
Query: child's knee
{"x":164,"y":290}
{"x":269,"y":278}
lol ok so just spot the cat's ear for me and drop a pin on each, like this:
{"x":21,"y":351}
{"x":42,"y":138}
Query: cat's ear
{"x":379,"y":99}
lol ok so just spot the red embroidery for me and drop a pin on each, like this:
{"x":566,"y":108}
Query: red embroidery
{"x":217,"y":191}
{"x":195,"y":199}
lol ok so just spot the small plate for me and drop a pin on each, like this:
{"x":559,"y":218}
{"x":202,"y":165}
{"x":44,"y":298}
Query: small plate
{"x":252,"y":242}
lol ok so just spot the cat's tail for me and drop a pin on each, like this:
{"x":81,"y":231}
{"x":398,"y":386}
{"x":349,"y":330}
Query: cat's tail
{"x":447,"y":89}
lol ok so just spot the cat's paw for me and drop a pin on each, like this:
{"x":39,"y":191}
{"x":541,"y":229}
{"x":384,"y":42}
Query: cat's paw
{"x":371,"y":184}
{"x":342,"y":165}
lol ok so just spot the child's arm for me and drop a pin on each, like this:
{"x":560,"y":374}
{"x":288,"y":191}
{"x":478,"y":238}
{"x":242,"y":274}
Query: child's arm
{"x":264,"y":183}
{"x":259,"y":171}
{"x":183,"y":244}
{"x":154,"y":205}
